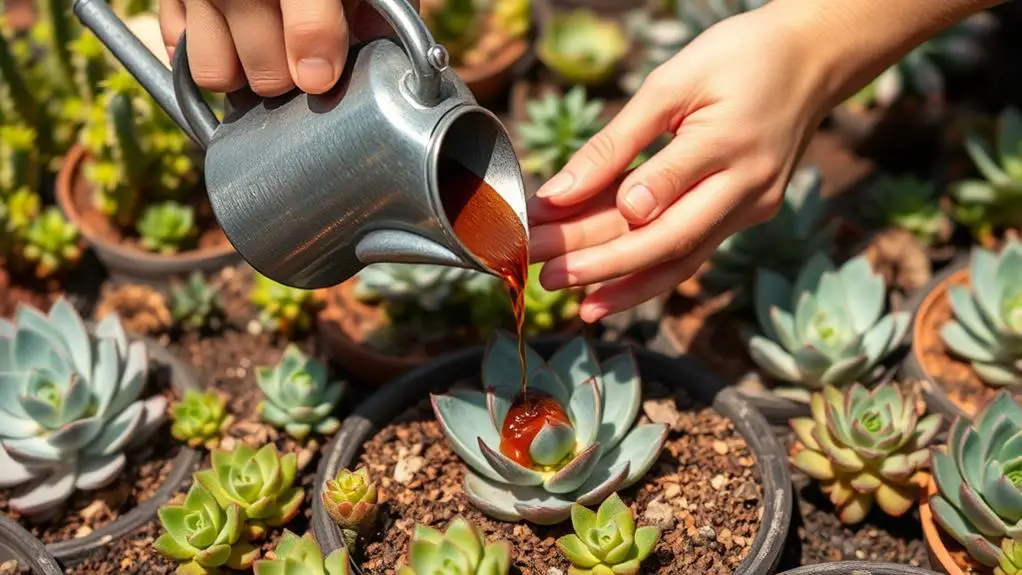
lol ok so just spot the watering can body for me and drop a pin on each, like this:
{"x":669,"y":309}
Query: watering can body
{"x":311,"y":188}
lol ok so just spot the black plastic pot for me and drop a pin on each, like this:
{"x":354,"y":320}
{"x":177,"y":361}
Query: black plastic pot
{"x":183,"y":378}
{"x":19,"y":545}
{"x":388,"y":403}
{"x":859,"y":568}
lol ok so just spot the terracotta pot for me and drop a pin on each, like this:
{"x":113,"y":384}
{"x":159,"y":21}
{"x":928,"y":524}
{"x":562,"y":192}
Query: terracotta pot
{"x":490,"y":80}
{"x":124,"y":261}
{"x":20,"y":14}
{"x":946,"y":555}
{"x":388,"y":403}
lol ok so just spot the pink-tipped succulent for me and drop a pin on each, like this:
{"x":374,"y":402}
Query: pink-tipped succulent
{"x":351,"y":500}
{"x":864,"y":446}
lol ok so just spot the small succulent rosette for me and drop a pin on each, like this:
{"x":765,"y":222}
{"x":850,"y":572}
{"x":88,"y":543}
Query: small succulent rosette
{"x":581,"y":458}
{"x":461,"y":550}
{"x":606,"y":542}
{"x":298,"y":395}
{"x":987,"y":324}
{"x":865,"y":446}
{"x":351,"y":499}
{"x":200,"y":419}
{"x":978,"y":475}
{"x":296,"y":555}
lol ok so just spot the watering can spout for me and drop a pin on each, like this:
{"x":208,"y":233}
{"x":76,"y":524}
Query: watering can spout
{"x":190,"y":113}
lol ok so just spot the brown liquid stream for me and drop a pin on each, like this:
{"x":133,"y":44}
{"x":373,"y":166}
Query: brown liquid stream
{"x":488,"y":227}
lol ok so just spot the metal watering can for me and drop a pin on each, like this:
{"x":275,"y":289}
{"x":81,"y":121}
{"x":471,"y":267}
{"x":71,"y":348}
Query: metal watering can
{"x":310,"y":189}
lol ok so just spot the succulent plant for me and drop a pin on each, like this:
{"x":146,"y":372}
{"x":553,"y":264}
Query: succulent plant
{"x":52,"y":243}
{"x":513,"y":17}
{"x":70,"y":404}
{"x":298,"y":396}
{"x":196,"y":303}
{"x":351,"y":499}
{"x":296,"y":555}
{"x":200,"y":418}
{"x":544,"y":309}
{"x":865,"y":445}
{"x":260,"y":482}
{"x":581,"y":47}
{"x":454,"y":23}
{"x":282,"y":309}
{"x":827,"y":328}
{"x":996,"y":200}
{"x":204,"y":536}
{"x":1011,"y":557}
{"x":911,"y":204}
{"x":987,"y":324}
{"x":782,"y":244}
{"x":461,"y":550}
{"x":977,"y":474}
{"x":606,"y":541}
{"x":167,"y":227}
{"x":557,"y":128}
{"x":585,"y":448}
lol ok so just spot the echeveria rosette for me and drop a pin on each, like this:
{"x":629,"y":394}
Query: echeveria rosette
{"x":298,"y":396}
{"x":978,"y":475}
{"x":260,"y":482}
{"x":828,"y":328}
{"x":296,"y":555}
{"x":200,"y":418}
{"x":865,"y":445}
{"x":69,"y":404}
{"x":581,"y":47}
{"x":598,"y":454}
{"x":987,"y":324}
{"x":606,"y":542}
{"x":461,"y":550}
{"x":203,"y":536}
{"x":351,"y":499}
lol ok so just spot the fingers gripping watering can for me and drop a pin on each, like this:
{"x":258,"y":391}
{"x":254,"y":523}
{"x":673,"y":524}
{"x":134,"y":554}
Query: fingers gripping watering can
{"x":310,"y":189}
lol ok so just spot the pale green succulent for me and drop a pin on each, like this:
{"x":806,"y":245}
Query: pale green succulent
{"x":828,"y":328}
{"x":461,"y":550}
{"x":260,"y":482}
{"x":581,"y":47}
{"x":200,"y":418}
{"x":544,"y":309}
{"x":910,"y":204}
{"x":296,"y":555}
{"x":52,"y":243}
{"x":203,"y":536}
{"x":1011,"y":557}
{"x":591,"y":452}
{"x":69,"y":404}
{"x":978,"y":474}
{"x":282,"y":309}
{"x":167,"y":227}
{"x":606,"y":542}
{"x":196,"y":303}
{"x":987,"y":324}
{"x":298,"y":397}
{"x":557,"y":127}
{"x":865,"y":445}
{"x":351,"y":499}
{"x":996,"y":200}
{"x":782,"y":244}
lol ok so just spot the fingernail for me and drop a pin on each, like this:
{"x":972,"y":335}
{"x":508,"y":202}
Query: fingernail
{"x":593,"y":313}
{"x":315,"y":73}
{"x":640,"y":201}
{"x":557,"y":185}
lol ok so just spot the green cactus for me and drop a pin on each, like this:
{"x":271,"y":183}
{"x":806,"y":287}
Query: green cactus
{"x":52,"y":243}
{"x":302,"y":556}
{"x":557,"y":127}
{"x":167,"y":227}
{"x":298,"y":396}
{"x":203,"y":536}
{"x":282,"y":309}
{"x":260,"y":482}
{"x":200,"y":418}
{"x":196,"y":303}
{"x":606,"y":542}
{"x":461,"y":550}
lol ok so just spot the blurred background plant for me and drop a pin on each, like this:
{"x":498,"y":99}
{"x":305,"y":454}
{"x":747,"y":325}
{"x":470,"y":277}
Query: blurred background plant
{"x":911,"y":204}
{"x":282,"y":309}
{"x":582,"y":48}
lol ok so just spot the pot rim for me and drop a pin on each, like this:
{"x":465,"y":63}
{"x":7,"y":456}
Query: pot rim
{"x":389,"y":402}
{"x":73,"y":161}
{"x":935,"y":547}
{"x":505,"y":60}
{"x":26,"y":548}
{"x":857,"y":567}
{"x":183,"y":378}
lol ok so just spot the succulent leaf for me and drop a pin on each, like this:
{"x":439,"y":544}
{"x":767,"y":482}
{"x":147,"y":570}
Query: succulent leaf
{"x":302,"y":556}
{"x":557,"y":127}
{"x":460,"y":550}
{"x":607,"y":541}
{"x":298,"y":396}
{"x":200,"y":418}
{"x":997,"y":201}
{"x":581,"y":47}
{"x":351,"y":499}
{"x":203,"y":534}
{"x":196,"y":303}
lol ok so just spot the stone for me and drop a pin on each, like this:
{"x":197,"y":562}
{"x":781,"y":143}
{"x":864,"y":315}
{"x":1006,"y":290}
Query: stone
{"x":660,"y":514}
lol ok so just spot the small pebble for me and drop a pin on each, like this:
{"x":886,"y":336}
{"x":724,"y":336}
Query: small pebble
{"x":718,"y":482}
{"x":720,"y":447}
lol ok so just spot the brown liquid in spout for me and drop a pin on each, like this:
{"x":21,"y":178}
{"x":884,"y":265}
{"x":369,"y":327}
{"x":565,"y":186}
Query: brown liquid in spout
{"x":488,"y":227}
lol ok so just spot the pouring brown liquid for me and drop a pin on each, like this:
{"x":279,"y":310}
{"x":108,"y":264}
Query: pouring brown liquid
{"x":488,"y":227}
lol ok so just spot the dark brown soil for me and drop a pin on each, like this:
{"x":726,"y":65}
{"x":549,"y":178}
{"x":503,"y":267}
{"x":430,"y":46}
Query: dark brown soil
{"x":954,"y":376}
{"x":824,"y":539}
{"x":703,"y":492}
{"x":143,"y":475}
{"x":703,"y":328}
{"x":39,"y":295}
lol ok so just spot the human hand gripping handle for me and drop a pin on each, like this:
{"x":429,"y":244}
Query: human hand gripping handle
{"x":742,"y":101}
